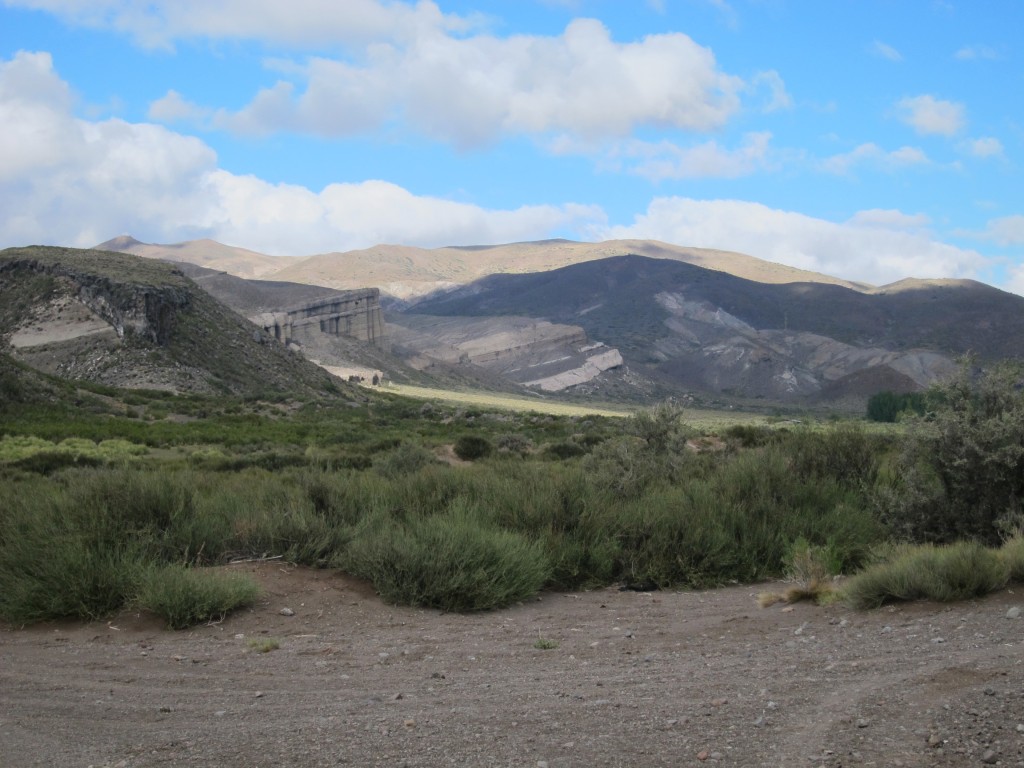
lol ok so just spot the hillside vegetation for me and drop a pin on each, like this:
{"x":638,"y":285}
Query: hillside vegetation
{"x":122,"y":503}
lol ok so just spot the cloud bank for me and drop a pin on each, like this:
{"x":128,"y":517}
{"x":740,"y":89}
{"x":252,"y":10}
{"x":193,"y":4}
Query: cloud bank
{"x":876,"y":247}
{"x":76,"y":182}
{"x":71,"y":181}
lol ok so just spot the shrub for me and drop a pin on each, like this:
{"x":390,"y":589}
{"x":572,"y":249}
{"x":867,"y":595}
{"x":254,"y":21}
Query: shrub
{"x":563,"y":450}
{"x":514,"y":443}
{"x":1012,"y":553}
{"x":661,"y":428}
{"x":406,"y":459}
{"x":473,"y":447}
{"x":185,"y":596}
{"x":960,"y":474}
{"x":954,"y":572}
{"x":454,"y":561}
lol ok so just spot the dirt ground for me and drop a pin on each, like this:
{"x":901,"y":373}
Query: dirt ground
{"x":636,"y":679}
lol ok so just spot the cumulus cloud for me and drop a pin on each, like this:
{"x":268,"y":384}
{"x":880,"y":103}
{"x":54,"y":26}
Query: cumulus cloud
{"x":873,"y":155}
{"x":312,"y":23}
{"x":472,"y":90}
{"x":1007,"y":230}
{"x":884,"y":51}
{"x":666,"y":160}
{"x":986,"y":146}
{"x":873,"y":247}
{"x":928,"y":115}
{"x":172,"y":107}
{"x":77,"y":182}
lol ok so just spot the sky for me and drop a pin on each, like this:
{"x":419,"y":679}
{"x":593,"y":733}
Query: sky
{"x":873,"y":140}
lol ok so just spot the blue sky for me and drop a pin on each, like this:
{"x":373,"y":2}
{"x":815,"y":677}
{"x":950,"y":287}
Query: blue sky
{"x":870,"y":139}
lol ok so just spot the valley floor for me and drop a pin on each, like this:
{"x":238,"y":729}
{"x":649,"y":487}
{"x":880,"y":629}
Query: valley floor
{"x":636,"y":679}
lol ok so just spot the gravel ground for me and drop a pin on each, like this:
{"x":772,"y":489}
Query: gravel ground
{"x":636,"y":679}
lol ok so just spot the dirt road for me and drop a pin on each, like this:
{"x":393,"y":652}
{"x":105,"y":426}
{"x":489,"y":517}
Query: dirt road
{"x":636,"y":679}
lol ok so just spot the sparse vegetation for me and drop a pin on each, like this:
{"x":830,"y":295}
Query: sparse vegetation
{"x":958,"y":571}
{"x":563,"y":502}
{"x":185,"y":596}
{"x":263,"y":644}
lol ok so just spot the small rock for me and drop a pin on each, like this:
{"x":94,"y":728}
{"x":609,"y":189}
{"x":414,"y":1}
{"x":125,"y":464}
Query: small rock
{"x":258,"y":694}
{"x":286,"y":612}
{"x":409,"y":723}
{"x":1020,"y":728}
{"x":1013,"y":613}
{"x":937,"y":640}
{"x":542,"y":764}
{"x":703,"y":755}
{"x":220,"y":713}
{"x":934,"y":740}
{"x":863,"y":723}
{"x":989,"y":758}
{"x":719,"y":702}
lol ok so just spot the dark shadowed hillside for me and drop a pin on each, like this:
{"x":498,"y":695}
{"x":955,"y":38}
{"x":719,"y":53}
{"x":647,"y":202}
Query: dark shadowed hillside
{"x":709,"y":330}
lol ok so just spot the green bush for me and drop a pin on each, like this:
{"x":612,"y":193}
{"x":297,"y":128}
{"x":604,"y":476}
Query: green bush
{"x":1012,"y":553}
{"x":960,"y":474}
{"x":455,"y":561}
{"x":948,"y":573}
{"x":406,"y":459}
{"x":473,"y":447}
{"x":185,"y":596}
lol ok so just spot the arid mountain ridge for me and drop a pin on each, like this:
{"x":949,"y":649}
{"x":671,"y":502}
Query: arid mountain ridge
{"x":644,"y":319}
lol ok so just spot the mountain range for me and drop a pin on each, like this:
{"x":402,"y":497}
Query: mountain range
{"x":626,"y":319}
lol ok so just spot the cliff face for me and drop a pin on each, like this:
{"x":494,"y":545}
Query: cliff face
{"x":145,"y":311}
{"x":352,"y":314}
{"x":125,"y":321}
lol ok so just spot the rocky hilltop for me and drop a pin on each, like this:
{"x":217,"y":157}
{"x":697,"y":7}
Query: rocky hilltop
{"x":124,"y":321}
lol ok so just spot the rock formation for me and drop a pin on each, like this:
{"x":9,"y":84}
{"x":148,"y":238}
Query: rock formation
{"x":353,"y":314}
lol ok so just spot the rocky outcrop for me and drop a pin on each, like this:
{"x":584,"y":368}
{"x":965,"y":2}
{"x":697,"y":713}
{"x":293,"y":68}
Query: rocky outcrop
{"x":123,"y":321}
{"x":352,"y":314}
{"x":148,"y":312}
{"x":521,"y":350}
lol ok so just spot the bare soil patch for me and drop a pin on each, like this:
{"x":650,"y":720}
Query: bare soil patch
{"x":637,"y":679}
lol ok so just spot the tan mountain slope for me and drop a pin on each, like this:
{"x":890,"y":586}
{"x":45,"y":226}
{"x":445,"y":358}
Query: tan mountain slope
{"x":205,"y":253}
{"x":407,"y":271}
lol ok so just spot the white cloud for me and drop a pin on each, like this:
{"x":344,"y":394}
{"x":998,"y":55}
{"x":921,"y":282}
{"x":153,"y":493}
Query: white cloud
{"x":665,"y":160}
{"x":159,"y":23}
{"x":882,"y":50}
{"x":172,"y":107}
{"x":78,"y":182}
{"x":1008,"y":230}
{"x":986,"y":146}
{"x":887,"y":218}
{"x":875,"y":156}
{"x":858,"y":249}
{"x":472,"y":90}
{"x":779,"y":98}
{"x":928,"y":115}
{"x":972,"y":52}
